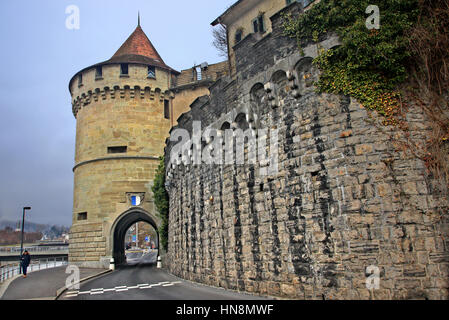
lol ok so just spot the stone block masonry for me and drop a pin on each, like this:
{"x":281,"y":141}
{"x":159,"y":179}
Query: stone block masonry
{"x":344,"y":208}
{"x":121,"y":126}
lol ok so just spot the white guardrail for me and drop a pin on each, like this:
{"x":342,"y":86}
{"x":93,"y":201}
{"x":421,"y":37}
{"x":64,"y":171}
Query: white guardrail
{"x":11,"y":270}
{"x":34,"y":249}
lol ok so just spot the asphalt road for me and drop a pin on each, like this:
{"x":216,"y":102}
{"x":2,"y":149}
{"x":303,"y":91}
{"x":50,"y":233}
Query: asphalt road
{"x":141,"y":280}
{"x":138,"y":257}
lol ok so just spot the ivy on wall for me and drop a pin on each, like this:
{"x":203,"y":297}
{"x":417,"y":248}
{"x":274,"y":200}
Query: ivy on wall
{"x":404,"y":61}
{"x":369,"y":64}
{"x":161,"y":202}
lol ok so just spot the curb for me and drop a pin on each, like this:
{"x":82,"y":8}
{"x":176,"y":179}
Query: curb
{"x":224,"y":289}
{"x":6,"y":284}
{"x":60,"y":291}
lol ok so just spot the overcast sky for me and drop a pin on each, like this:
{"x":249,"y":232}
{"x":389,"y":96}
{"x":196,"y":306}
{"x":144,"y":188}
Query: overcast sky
{"x":38,"y":57}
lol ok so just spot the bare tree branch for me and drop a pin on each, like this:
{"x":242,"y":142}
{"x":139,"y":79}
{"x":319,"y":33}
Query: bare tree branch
{"x":220,"y":42}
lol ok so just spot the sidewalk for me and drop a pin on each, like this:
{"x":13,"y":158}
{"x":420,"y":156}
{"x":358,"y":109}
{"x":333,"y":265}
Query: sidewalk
{"x":43,"y":284}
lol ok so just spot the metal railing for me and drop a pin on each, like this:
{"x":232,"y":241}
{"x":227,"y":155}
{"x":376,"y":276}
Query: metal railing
{"x":9,"y":271}
{"x":34,"y":249}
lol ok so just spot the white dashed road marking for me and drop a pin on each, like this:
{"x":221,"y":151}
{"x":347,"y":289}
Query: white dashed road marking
{"x":72,"y":294}
{"x":97,"y":292}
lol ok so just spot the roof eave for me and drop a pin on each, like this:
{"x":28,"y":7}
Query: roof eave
{"x":109,"y":62}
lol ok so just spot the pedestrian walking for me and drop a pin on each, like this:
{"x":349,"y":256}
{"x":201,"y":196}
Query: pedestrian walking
{"x":25,"y":262}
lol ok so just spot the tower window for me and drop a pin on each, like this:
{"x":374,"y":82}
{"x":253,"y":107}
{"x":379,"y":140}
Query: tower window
{"x":151,"y":72}
{"x":124,"y":69}
{"x":255,"y":26}
{"x":261,"y":24}
{"x":99,"y":73}
{"x":82,"y":216}
{"x":167,"y":109}
{"x":80,"y":80}
{"x":258,"y":24}
{"x":121,"y":149}
{"x":238,"y":36}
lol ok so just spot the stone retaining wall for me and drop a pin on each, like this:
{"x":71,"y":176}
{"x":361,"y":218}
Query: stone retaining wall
{"x":342,"y":205}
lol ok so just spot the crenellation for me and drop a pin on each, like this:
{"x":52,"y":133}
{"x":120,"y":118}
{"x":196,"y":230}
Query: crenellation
{"x":93,"y":96}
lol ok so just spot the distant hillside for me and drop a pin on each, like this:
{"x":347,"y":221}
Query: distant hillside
{"x":51,"y":231}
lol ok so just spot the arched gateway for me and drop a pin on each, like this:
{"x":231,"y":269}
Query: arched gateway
{"x":122,"y":224}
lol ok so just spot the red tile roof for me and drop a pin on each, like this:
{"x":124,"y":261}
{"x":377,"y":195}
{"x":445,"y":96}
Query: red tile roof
{"x":137,"y":49}
{"x":138,"y":44}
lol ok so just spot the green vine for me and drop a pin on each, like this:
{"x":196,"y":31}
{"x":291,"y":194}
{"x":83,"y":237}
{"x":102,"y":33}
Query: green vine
{"x":161,"y":202}
{"x":370,"y":64}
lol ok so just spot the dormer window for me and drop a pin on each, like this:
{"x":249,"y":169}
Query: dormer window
{"x":124,"y":69}
{"x":151,"y":72}
{"x":99,"y":73}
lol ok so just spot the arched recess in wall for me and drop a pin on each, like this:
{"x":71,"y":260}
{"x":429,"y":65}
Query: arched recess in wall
{"x":307,"y":75}
{"x":157,"y":93}
{"x":97,"y":93}
{"x":127,"y":92}
{"x":280,"y":81}
{"x":241,"y":122}
{"x":257,"y":94}
{"x":241,"y":143}
{"x":147,"y":92}
{"x":107,"y":93}
{"x":136,"y":91}
{"x":225,"y":126}
{"x":122,"y":224}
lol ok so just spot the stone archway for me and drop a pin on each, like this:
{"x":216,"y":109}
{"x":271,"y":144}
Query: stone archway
{"x":120,"y":227}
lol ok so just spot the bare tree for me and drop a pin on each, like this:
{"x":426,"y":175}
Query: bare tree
{"x":220,"y":42}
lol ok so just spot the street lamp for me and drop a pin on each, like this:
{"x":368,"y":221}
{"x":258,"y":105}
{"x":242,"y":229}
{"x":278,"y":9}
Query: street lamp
{"x":21,"y":243}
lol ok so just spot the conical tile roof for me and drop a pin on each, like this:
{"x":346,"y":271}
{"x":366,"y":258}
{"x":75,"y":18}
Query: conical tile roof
{"x":137,"y":49}
{"x":137,"y":44}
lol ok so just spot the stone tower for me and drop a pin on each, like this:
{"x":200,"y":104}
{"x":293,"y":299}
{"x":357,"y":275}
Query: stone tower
{"x":122,"y":108}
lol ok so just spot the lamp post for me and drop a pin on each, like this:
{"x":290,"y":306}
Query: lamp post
{"x":21,"y":242}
